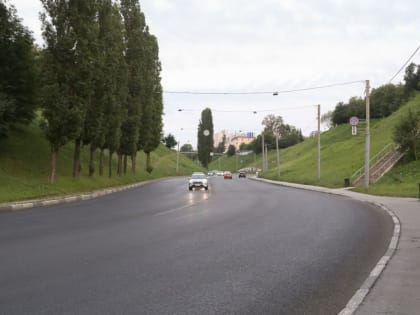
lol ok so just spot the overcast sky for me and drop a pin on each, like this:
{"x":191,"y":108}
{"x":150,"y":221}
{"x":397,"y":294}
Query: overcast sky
{"x":269,"y":45}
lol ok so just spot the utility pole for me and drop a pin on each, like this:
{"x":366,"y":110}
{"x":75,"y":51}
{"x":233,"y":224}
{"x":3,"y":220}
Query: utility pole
{"x":177,"y":160}
{"x":367,"y":142}
{"x":278,"y":155}
{"x":263,"y":153}
{"x":266,"y":157}
{"x":319,"y":143}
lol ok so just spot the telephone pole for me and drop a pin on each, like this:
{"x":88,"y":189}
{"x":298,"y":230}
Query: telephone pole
{"x":319,"y":143}
{"x":367,"y":142}
{"x":277,"y":150}
{"x":263,"y":153}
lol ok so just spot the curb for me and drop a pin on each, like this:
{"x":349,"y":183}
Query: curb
{"x":376,"y":272}
{"x":357,"y":299}
{"x":17,"y":206}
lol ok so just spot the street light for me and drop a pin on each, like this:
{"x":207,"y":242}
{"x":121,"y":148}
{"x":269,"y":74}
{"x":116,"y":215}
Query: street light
{"x":177,"y":157}
{"x":277,"y":149}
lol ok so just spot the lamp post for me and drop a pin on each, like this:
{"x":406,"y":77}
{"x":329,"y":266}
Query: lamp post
{"x":177,"y":157}
{"x":177,"y":160}
{"x":277,"y":151}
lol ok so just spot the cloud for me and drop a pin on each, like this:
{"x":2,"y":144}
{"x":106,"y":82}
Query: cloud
{"x":239,"y":45}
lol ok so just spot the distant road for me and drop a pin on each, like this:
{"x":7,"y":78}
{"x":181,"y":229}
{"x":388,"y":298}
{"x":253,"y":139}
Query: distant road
{"x":243,"y":247}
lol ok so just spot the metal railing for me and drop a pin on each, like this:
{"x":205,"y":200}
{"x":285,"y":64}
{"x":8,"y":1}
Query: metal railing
{"x":361,"y":171}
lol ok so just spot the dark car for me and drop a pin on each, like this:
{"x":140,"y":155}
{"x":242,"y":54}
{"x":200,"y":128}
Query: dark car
{"x":242,"y":174}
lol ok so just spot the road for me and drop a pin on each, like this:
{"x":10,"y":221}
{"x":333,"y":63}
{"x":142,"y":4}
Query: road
{"x":243,"y":247}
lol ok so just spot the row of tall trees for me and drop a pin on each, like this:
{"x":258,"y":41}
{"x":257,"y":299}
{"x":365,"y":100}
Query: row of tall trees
{"x":17,"y":71}
{"x":101,"y":84}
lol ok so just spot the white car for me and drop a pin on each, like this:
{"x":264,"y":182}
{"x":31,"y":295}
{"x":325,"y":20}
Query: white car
{"x":198,"y":180}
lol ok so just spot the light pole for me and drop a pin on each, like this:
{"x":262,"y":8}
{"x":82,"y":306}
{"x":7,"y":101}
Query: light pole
{"x":367,"y":140}
{"x":319,"y":142}
{"x":177,"y":157}
{"x":177,"y":160}
{"x":277,"y":152}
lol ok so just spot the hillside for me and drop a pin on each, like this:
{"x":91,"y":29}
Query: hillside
{"x":24,"y":162}
{"x":341,"y":155}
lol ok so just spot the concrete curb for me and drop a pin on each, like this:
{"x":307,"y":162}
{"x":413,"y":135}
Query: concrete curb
{"x":376,"y":272}
{"x":16,"y":206}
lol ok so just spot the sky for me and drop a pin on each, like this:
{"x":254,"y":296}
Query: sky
{"x":247,"y":46}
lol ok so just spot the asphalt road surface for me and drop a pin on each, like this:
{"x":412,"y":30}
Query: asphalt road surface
{"x":243,"y":247}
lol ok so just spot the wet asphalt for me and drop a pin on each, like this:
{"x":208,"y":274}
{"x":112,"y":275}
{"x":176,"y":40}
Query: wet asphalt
{"x":243,"y":247}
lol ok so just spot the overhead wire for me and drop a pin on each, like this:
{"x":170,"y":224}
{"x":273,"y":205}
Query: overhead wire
{"x":402,"y":67}
{"x":248,"y":111}
{"x":266,"y":92}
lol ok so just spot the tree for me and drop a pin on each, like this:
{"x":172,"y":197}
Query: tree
{"x":186,"y":148}
{"x":412,"y":79}
{"x":70,"y":32}
{"x":134,"y":26}
{"x":386,"y":99}
{"x":169,"y":141}
{"x":17,"y":71}
{"x":343,"y":111}
{"x":111,"y":85}
{"x":326,"y":119}
{"x":231,"y":150}
{"x":272,"y":123}
{"x":205,"y":137}
{"x":407,"y":133}
{"x":151,"y":119}
{"x":61,"y":108}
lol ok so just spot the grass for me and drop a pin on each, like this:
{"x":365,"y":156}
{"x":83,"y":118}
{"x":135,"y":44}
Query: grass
{"x":341,"y":155}
{"x":24,"y":167}
{"x":403,"y":180}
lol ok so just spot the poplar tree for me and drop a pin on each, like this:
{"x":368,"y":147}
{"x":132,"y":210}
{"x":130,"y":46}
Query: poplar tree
{"x":62,"y":117}
{"x":205,"y":137}
{"x":83,"y":20}
{"x":111,"y":87}
{"x":134,"y":24}
{"x":70,"y":34}
{"x":151,"y":118}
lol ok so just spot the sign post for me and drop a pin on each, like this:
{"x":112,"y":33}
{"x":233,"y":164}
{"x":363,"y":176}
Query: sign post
{"x":354,"y":121}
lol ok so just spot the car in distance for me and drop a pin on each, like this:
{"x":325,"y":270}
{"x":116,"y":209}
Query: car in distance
{"x":227,"y":175}
{"x":242,"y":174}
{"x":198,"y":180}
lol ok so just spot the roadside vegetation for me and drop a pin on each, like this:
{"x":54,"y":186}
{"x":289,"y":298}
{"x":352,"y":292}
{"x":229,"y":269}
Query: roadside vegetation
{"x":341,"y":155}
{"x":24,"y":172}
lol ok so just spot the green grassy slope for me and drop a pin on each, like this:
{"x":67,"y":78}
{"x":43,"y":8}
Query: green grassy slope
{"x":341,"y":155}
{"x":24,"y":165}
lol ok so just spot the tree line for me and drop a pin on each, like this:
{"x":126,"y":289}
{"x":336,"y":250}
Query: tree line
{"x":96,"y":81}
{"x":384,"y":101}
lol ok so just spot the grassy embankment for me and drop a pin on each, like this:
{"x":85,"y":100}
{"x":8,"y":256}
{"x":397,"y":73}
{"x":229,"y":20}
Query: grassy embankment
{"x":341,"y":155}
{"x":24,"y":166}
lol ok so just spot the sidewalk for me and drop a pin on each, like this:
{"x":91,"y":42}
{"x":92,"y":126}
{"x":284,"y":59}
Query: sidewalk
{"x":394,"y":284}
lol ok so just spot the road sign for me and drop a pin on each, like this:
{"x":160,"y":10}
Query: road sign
{"x":354,"y":121}
{"x":354,"y":130}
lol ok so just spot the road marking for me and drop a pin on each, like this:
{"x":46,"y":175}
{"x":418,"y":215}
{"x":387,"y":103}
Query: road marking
{"x":180,"y":208}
